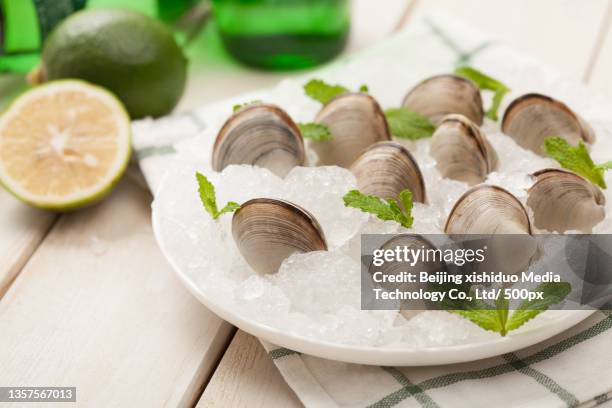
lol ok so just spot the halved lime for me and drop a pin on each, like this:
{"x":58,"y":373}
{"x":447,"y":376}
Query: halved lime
{"x":63,"y":145}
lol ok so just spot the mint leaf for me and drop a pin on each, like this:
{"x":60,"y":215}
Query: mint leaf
{"x":482,"y":314}
{"x":406,"y":200}
{"x":315,"y":131}
{"x":498,"y":96}
{"x":323,"y":92}
{"x":606,"y":166}
{"x":553,"y":292}
{"x":501,"y":308}
{"x":388,"y":210}
{"x":498,"y":319}
{"x":230,"y":207}
{"x":486,"y":83}
{"x":488,"y":319}
{"x":576,"y":159}
{"x":239,"y":106}
{"x":209,"y":198}
{"x":207,"y":194}
{"x":407,"y":124}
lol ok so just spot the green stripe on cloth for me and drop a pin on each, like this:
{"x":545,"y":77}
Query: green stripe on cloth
{"x":155,"y":151}
{"x":600,"y":399}
{"x":449,"y":379}
{"x":408,"y":390}
{"x":281,"y":352}
{"x":565,"y":344}
{"x":522,"y":367}
{"x":463,"y":57}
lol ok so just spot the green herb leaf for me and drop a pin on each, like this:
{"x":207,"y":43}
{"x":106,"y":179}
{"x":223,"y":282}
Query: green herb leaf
{"x":407,"y":124}
{"x":388,"y":210}
{"x":576,"y":159}
{"x":207,"y":194}
{"x":552,"y":293}
{"x":239,"y":106}
{"x":498,"y":319}
{"x":315,"y":131}
{"x":501,"y":307}
{"x":486,"y":318}
{"x":209,"y":198}
{"x":606,"y":166}
{"x":323,"y":92}
{"x":406,"y":200}
{"x":486,"y":83}
{"x":230,"y":207}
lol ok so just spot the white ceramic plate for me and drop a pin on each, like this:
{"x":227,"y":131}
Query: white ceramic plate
{"x":428,"y":56}
{"x":375,"y":355}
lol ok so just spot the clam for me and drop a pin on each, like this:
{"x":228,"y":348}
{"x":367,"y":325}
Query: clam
{"x":267,"y":231}
{"x":532,"y":117}
{"x":261,"y":135}
{"x":486,"y":209}
{"x":415,"y":242}
{"x":442,"y":95}
{"x":356,"y":121}
{"x":563,"y":201}
{"x":462,"y":151}
{"x":385,"y":169}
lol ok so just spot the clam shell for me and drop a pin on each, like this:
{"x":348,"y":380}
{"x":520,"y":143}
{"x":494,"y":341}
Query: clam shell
{"x":385,"y":169}
{"x":414,"y":241}
{"x":563,"y":201}
{"x":530,"y":118}
{"x":462,"y":151}
{"x":490,"y":210}
{"x":261,"y":135}
{"x":442,"y":95}
{"x":487,"y":209}
{"x":356,"y":121}
{"x":267,"y":231}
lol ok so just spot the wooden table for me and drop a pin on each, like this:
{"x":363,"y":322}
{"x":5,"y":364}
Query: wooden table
{"x":87,"y":300}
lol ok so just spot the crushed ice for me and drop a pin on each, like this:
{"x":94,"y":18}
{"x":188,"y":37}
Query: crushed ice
{"x":317,"y":294}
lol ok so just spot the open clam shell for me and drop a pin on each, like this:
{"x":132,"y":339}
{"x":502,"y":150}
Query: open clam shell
{"x":442,"y":95}
{"x":409,"y":241}
{"x":563,"y":201}
{"x":491,"y":210}
{"x":531,"y":118}
{"x":261,"y":135}
{"x":462,"y":151}
{"x":486,"y":209}
{"x":385,"y":169}
{"x":356,"y":121}
{"x":267,"y":231}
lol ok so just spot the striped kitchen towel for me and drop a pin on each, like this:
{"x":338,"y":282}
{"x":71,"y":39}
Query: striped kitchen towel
{"x":573,"y":369}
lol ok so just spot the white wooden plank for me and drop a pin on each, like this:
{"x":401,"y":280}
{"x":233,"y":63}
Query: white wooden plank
{"x":22,"y":230}
{"x":247,"y":377}
{"x":561,"y":33}
{"x":97,"y":307}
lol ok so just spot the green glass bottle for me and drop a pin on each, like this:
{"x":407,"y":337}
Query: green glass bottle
{"x":24,"y":24}
{"x":283,"y":34}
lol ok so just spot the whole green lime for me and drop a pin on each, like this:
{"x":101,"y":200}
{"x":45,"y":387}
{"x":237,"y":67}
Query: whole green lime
{"x":128,"y":53}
